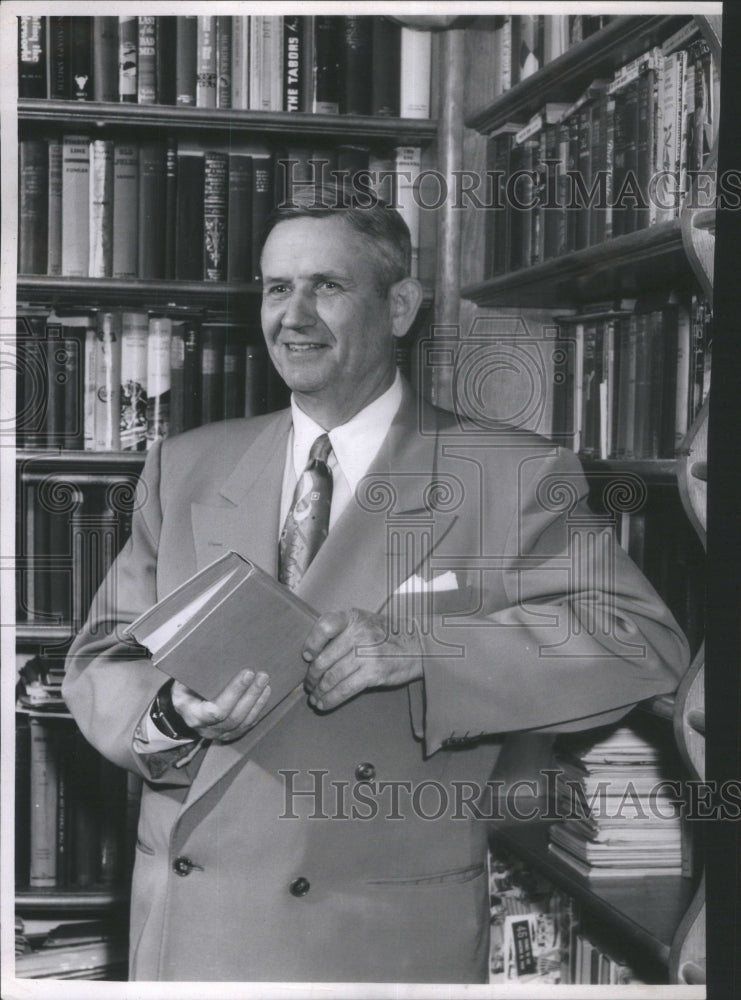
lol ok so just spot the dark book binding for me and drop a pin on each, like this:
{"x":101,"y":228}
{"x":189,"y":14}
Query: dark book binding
{"x":185,"y":60}
{"x":189,"y":225}
{"x":327,"y":35}
{"x":212,"y":372}
{"x":356,"y":65}
{"x":33,"y":206}
{"x":105,"y":58}
{"x":223,"y":62}
{"x":166,"y":61}
{"x":215,"y":202}
{"x":146,"y":73}
{"x":32,"y":56}
{"x":385,"y":68}
{"x":171,"y":207}
{"x":152,"y":177}
{"x":239,"y":233}
{"x":59,"y":57}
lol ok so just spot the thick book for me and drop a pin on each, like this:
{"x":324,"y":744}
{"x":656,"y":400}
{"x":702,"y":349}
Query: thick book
{"x":206,"y":62}
{"x":186,"y":43}
{"x":128,"y":31}
{"x":54,"y":234}
{"x":166,"y":59}
{"x":215,"y":203}
{"x":189,"y":218}
{"x":256,"y":365}
{"x":100,"y":262}
{"x":146,"y":77}
{"x":356,"y":65}
{"x":212,"y":372}
{"x":498,"y":232}
{"x":22,"y":798}
{"x":408,"y":166}
{"x":239,"y":234}
{"x":224,"y":43}
{"x":75,"y":205}
{"x":158,"y":378}
{"x":385,"y":68}
{"x":416,"y":54}
{"x":241,"y":63}
{"x":81,"y":59}
{"x":33,"y":207}
{"x":105,"y":58}
{"x":185,"y":374}
{"x":171,"y":207}
{"x":107,"y":398}
{"x":237,"y":609}
{"x":293,"y":76}
{"x":152,"y":177}
{"x":262,"y":204}
{"x":125,"y":213}
{"x":133,"y":392}
{"x":233,"y":372}
{"x":32,"y":56}
{"x":326,"y":98}
{"x":59,"y":57}
{"x":43,"y":820}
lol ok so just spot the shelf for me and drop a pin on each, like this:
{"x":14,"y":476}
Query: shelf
{"x":83,"y":463}
{"x":34,"y":634}
{"x":82,"y":900}
{"x":614,"y":269}
{"x":647,"y":911}
{"x":81,"y":292}
{"x":567,"y":77}
{"x":224,"y":124}
{"x":656,"y":471}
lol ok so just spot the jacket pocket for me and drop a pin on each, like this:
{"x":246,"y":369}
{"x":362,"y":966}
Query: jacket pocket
{"x":455,"y":876}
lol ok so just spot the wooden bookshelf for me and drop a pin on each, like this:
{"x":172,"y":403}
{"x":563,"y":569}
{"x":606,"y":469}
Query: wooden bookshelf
{"x":647,"y":911}
{"x":67,"y":462}
{"x":564,"y":78}
{"x":32,"y":901}
{"x":656,"y":471}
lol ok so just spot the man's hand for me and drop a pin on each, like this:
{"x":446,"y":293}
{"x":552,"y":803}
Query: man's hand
{"x":339,"y":670}
{"x":229,"y":716}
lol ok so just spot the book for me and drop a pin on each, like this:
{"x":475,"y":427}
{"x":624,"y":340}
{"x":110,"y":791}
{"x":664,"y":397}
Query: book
{"x":32,"y":56}
{"x":81,"y":59}
{"x":189,"y":217}
{"x":237,"y":605}
{"x":59,"y":57}
{"x":166,"y":55}
{"x":262,"y":204}
{"x":54,"y":230}
{"x":125,"y":259}
{"x":239,"y":234}
{"x":133,"y":393}
{"x":88,"y":389}
{"x":22,"y":798}
{"x":241,"y":63}
{"x":158,"y":378}
{"x":256,"y":366}
{"x":293,"y":75}
{"x":100,"y":259}
{"x":498,"y":234}
{"x":170,"y":208}
{"x":416,"y":55}
{"x":43,"y":794}
{"x":33,"y":206}
{"x":385,"y":67}
{"x":212,"y":372}
{"x":185,"y":376}
{"x":105,"y":58}
{"x":206,"y":62}
{"x":128,"y":31}
{"x":356,"y":65}
{"x":146,"y":75}
{"x":234,"y":355}
{"x":111,"y":811}
{"x":224,"y":62}
{"x":186,"y":43}
{"x":151,"y":204}
{"x":326,"y":76}
{"x":107,"y":379}
{"x":266,"y":63}
{"x":75,"y":205}
{"x":215,"y":206}
{"x":408,"y":168}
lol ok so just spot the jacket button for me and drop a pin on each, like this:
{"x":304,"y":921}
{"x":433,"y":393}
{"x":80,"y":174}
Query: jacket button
{"x":182,"y":866}
{"x":300,"y":886}
{"x":365,"y":772}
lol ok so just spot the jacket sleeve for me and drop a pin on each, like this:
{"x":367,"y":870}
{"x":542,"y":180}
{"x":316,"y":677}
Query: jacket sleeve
{"x":584,"y":636}
{"x":109,"y":684}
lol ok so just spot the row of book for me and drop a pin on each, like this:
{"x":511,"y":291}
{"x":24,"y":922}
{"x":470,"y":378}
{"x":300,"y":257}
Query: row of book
{"x":326,"y":64}
{"x":120,"y":380}
{"x":72,"y":949}
{"x":629,"y":383}
{"x":617,"y":160}
{"x":538,"y":934}
{"x":74,"y":812}
{"x":619,"y":794}
{"x":159,"y":209}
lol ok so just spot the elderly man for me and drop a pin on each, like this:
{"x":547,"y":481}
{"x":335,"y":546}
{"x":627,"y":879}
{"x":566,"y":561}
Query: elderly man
{"x":347,"y":841}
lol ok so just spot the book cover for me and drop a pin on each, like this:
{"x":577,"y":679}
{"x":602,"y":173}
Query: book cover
{"x":54,"y":232}
{"x":75,"y":205}
{"x":235,"y":604}
{"x":416,"y":55}
{"x":241,"y":63}
{"x":32,"y":56}
{"x":158,"y":378}
{"x":327,"y":35}
{"x":83,"y":788}
{"x":212,"y":372}
{"x":206,"y":62}
{"x":133,"y":392}
{"x":146,"y":76}
{"x":186,"y":45}
{"x":128,"y":31}
{"x":31,"y":379}
{"x":107,"y":361}
{"x":69,"y":360}
{"x":152,"y":176}
{"x":185,"y":376}
{"x":81,"y":59}
{"x":189,"y":217}
{"x":105,"y":58}
{"x":33,"y":206}
{"x":293,"y":98}
{"x":59,"y":58}
{"x":125,"y":260}
{"x":356,"y":65}
{"x":100,"y":262}
{"x":385,"y":67}
{"x":224,"y":62}
{"x":215,"y":203}
{"x":239,"y":233}
{"x":266,"y":63}
{"x":166,"y":55}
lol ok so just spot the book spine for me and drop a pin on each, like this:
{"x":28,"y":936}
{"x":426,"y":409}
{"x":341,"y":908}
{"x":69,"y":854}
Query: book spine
{"x":255,"y":377}
{"x":73,"y":385}
{"x":125,"y":261}
{"x":31,"y":346}
{"x":55,"y":378}
{"x":292,"y":67}
{"x":75,"y":205}
{"x":105,"y":58}
{"x":108,"y":383}
{"x":22,"y":799}
{"x":588,"y":401}
{"x":644,"y":143}
{"x":273,"y":60}
{"x":133,"y":391}
{"x":233,"y":373}
{"x":308,"y":63}
{"x":111,"y":806}
{"x":158,"y":378}
{"x":224,"y":62}
{"x":85,"y":813}
{"x":151,"y":254}
{"x":81,"y":59}
{"x":215,"y":198}
{"x":551,"y":208}
{"x":257,"y":74}
{"x":584,"y":168}
{"x":206,"y":62}
{"x":59,"y":58}
{"x":658,"y":364}
{"x":89,"y":391}
{"x":239,"y":263}
{"x":33,"y":206}
{"x":241,"y":63}
{"x":166,"y":59}
{"x":44,"y":784}
{"x":127,"y":58}
{"x":100,"y":262}
{"x":385,"y":68}
{"x":32,"y":56}
{"x":54,"y":238}
{"x":408,"y":168}
{"x":186,"y":60}
{"x":212,"y":373}
{"x":63,"y":832}
{"x":171,"y":207}
{"x":177,"y":366}
{"x":262,"y":203}
{"x":416,"y":54}
{"x":189,"y":224}
{"x":146,"y":76}
{"x":356,"y":65}
{"x":326,"y":65}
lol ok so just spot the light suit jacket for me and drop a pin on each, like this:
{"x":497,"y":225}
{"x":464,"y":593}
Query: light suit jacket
{"x":529,"y":617}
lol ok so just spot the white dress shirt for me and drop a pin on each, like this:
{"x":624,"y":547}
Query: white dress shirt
{"x":354,"y":446}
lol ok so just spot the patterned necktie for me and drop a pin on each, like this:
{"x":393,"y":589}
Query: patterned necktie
{"x":307,"y":522}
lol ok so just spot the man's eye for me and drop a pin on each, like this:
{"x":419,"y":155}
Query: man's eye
{"x":330,"y":286}
{"x":276,"y":289}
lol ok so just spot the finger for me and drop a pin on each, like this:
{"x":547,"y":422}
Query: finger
{"x":323,"y":631}
{"x":346,"y":687}
{"x":246,"y":703}
{"x":343,"y":645}
{"x":234,"y":733}
{"x":233,"y":692}
{"x":200,"y":714}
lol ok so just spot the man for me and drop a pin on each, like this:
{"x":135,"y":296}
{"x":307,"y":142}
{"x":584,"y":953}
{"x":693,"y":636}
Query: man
{"x":341,"y":842}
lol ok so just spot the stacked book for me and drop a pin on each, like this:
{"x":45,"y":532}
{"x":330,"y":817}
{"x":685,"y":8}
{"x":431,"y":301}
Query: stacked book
{"x":618,"y":794}
{"x":86,"y":949}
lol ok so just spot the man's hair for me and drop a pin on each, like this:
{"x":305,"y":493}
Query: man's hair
{"x":386,"y":233}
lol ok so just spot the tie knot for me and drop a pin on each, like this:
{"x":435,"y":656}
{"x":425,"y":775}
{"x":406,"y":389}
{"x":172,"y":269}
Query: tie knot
{"x":320,"y":449}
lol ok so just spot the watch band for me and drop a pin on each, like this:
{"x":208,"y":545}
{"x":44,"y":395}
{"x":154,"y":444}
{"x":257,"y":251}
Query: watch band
{"x":166,"y":717}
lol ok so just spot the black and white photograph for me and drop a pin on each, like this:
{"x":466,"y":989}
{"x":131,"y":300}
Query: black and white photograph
{"x":370,"y":480}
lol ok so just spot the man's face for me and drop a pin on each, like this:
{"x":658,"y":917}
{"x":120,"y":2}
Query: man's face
{"x":327,"y":329}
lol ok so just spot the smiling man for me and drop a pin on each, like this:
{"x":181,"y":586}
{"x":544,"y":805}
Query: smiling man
{"x":349,"y":843}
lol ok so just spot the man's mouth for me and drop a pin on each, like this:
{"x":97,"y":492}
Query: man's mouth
{"x":303,"y":348}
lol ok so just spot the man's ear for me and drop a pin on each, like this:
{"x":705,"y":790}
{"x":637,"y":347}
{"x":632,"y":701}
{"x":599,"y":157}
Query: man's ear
{"x":404,"y":300}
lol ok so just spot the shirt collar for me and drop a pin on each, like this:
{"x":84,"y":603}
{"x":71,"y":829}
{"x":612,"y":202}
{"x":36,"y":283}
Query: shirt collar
{"x":356,"y":443}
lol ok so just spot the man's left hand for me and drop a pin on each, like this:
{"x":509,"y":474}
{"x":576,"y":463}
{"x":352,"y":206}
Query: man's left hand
{"x":342,"y":665}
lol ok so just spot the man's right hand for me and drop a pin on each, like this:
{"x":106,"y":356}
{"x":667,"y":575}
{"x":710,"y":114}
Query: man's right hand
{"x":228,"y":716}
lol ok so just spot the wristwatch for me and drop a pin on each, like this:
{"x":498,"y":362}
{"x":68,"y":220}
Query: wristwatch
{"x":167,"y":719}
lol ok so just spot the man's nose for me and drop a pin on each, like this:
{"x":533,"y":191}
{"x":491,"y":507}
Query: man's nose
{"x":300,"y":309}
